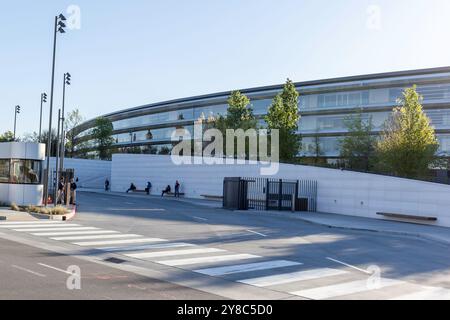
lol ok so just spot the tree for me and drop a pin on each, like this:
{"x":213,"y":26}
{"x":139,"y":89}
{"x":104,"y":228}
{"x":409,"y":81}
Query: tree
{"x":239,"y":116}
{"x":283,"y":115}
{"x":408,"y":143}
{"x":164,"y":150}
{"x":8,"y":136}
{"x":73,"y":119}
{"x":34,"y":137}
{"x":102,"y":134}
{"x":358,"y":147}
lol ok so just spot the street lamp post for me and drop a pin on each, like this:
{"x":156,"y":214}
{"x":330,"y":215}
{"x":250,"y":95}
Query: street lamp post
{"x":16,"y":112}
{"x":56,"y":164}
{"x":67,"y":79}
{"x":43,"y":100}
{"x":58,"y":27}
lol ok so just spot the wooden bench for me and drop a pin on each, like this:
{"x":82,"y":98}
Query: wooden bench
{"x":212,"y":197}
{"x":138,"y":191}
{"x":407,"y":216}
{"x":172,"y":194}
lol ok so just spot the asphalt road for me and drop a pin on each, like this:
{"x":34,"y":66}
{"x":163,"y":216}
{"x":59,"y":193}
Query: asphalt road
{"x":170,"y":249}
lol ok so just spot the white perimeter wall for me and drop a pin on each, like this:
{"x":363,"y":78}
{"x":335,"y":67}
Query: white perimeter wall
{"x":342,"y":192}
{"x":90,"y":173}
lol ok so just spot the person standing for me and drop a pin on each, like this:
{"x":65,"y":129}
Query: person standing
{"x":177,"y":189}
{"x":60,"y":197}
{"x":106,"y":184}
{"x":73,"y":192}
{"x":148,"y":188}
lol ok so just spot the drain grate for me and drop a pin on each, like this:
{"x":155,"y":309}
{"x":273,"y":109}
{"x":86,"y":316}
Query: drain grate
{"x":114,"y":260}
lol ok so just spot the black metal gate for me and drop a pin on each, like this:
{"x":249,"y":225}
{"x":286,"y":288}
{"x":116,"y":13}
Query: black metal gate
{"x":281,"y":195}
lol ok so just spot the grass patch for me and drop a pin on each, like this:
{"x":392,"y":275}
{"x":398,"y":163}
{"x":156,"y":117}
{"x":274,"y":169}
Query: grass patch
{"x":58,"y":210}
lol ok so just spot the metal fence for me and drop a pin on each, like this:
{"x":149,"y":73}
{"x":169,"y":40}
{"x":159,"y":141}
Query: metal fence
{"x":281,"y":194}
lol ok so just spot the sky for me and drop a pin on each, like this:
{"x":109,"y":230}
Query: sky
{"x":123,"y":54}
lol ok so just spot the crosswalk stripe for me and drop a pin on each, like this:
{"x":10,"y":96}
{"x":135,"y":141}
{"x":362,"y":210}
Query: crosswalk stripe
{"x":46,"y":225}
{"x":219,"y":271}
{"x":30,"y":222}
{"x":94,"y":237}
{"x":146,"y":255}
{"x":183,"y":262}
{"x":72,"y":233}
{"x":342,"y":289}
{"x":147,"y":247}
{"x":428,"y":293}
{"x":125,"y":241}
{"x":293,"y":277}
{"x":56,"y":229}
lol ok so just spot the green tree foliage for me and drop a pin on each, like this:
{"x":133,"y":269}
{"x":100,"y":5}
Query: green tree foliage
{"x":102,"y":134}
{"x":283,"y":115}
{"x":408,"y":143}
{"x":73,"y":119}
{"x":8,"y":136}
{"x":239,"y":114}
{"x":358,"y":147}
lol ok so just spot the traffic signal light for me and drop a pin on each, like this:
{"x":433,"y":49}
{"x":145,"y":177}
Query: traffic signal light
{"x":44,"y":97}
{"x":17,"y":109}
{"x":67,"y":78}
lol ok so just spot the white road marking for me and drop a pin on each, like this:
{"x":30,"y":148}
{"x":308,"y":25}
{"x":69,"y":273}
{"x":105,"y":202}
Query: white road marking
{"x":183,"y":262}
{"x":46,"y":225}
{"x":259,"y":234}
{"x":126,"y":241}
{"x":349,"y":265}
{"x":428,"y":293}
{"x":29,"y":271}
{"x":56,"y":229}
{"x":147,"y":247}
{"x":94,"y":237}
{"x":199,"y":218}
{"x":54,"y":268}
{"x":72,"y":233}
{"x":31,"y":222}
{"x":247,"y":267}
{"x":146,"y":255}
{"x":342,"y":289}
{"x":292,"y":277}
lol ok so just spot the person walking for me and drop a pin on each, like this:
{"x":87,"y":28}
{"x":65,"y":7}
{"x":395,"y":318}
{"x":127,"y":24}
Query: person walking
{"x":177,"y":189}
{"x":148,"y":188}
{"x":73,"y":192}
{"x":106,"y":184}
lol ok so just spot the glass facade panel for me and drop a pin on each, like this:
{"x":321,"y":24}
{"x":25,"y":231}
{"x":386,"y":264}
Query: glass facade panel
{"x":152,"y":119}
{"x":210,"y":111}
{"x":328,"y":146}
{"x":149,"y":135}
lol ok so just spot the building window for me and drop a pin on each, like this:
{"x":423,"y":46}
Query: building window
{"x":20,"y":171}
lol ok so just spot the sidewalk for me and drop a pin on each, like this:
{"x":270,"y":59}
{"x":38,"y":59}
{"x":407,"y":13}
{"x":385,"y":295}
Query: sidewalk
{"x":331,"y":220}
{"x":199,"y":202}
{"x":9,"y":215}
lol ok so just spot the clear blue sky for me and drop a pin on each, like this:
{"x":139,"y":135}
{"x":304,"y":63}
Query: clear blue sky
{"x":129,"y":53}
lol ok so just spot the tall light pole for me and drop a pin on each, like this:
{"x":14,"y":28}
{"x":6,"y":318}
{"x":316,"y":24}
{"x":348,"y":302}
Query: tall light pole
{"x":58,"y":27}
{"x":56,"y":164}
{"x":43,"y":100}
{"x":67,"y":79}
{"x":16,"y":112}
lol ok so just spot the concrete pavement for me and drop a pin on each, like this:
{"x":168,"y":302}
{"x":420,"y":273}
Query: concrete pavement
{"x":241,"y":256}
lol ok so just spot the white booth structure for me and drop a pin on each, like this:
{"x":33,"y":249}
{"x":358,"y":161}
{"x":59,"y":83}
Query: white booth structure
{"x":21,"y":173}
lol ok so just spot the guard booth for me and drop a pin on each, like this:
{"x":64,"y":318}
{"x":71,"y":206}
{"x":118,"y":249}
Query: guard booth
{"x":269,"y":194}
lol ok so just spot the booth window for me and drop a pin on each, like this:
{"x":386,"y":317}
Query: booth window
{"x":20,"y":171}
{"x":4,"y":171}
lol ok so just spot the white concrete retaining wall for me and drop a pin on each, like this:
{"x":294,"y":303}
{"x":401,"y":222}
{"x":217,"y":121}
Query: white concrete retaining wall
{"x":341,"y":192}
{"x":90,"y":173}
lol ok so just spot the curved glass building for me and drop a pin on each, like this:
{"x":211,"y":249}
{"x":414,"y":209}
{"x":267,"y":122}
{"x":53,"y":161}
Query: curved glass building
{"x":323,"y":106}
